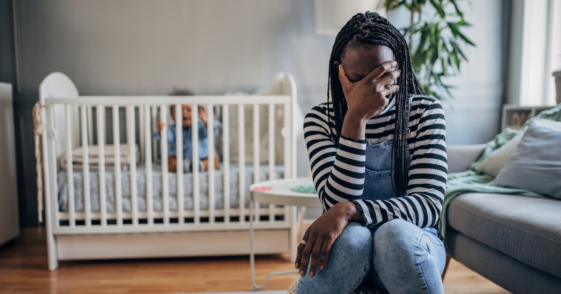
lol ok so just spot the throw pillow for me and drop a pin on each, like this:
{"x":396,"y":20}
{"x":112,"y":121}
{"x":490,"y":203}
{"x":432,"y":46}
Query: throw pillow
{"x":536,"y":164}
{"x":493,"y":164}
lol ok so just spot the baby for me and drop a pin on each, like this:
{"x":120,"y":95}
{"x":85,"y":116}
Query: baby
{"x":186,"y":123}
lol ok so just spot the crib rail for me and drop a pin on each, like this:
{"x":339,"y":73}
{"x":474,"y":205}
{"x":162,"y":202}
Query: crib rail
{"x":79,"y":120}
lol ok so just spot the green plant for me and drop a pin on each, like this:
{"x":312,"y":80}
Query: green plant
{"x":436,"y":41}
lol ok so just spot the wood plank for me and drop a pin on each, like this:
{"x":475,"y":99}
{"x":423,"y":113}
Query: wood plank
{"x":23,"y":269}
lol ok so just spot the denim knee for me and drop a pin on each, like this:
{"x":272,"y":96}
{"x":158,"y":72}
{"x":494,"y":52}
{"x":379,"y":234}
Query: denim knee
{"x":354,"y":237}
{"x":348,"y":264}
{"x":396,"y":237}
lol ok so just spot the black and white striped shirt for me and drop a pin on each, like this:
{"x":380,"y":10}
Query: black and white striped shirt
{"x":339,"y":172}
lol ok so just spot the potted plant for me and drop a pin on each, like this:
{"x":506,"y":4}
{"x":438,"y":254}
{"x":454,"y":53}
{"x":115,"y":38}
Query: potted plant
{"x":436,"y":41}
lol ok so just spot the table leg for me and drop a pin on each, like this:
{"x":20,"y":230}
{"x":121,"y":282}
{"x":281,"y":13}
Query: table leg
{"x":300,"y":221}
{"x":252,"y":256}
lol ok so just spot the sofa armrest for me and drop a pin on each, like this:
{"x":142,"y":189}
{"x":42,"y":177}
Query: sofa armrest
{"x":460,"y":157}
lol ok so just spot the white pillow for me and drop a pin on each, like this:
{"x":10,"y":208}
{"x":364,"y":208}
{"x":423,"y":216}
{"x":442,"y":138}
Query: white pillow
{"x":493,"y":164}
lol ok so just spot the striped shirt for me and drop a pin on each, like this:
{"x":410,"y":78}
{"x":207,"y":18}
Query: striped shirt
{"x":338,"y":173}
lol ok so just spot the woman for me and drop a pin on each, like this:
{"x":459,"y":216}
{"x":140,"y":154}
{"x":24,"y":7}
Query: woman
{"x":378,"y":156}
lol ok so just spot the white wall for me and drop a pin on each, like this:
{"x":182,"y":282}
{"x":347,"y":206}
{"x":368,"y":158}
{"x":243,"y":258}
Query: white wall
{"x":214,"y":46}
{"x":148,"y":47}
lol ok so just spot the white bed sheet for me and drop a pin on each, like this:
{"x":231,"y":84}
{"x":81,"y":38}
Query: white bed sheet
{"x":157,"y":188}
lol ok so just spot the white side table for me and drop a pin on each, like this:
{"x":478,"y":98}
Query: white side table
{"x":280,"y":194}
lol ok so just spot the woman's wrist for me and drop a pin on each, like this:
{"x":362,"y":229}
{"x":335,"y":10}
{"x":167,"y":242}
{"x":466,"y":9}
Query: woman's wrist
{"x":353,"y":126}
{"x":349,"y":211}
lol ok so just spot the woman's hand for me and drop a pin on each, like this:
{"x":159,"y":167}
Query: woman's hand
{"x":321,"y":235}
{"x":367,"y":97}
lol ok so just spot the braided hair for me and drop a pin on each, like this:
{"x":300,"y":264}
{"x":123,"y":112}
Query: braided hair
{"x":370,"y":30}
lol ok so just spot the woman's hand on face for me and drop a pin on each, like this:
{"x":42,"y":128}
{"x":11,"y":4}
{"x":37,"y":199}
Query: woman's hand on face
{"x":367,"y":97}
{"x":321,"y":235}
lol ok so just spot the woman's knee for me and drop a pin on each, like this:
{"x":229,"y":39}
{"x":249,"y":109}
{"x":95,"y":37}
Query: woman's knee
{"x":396,"y":237}
{"x":348,"y":263}
{"x":354,"y":245}
{"x":354,"y":237}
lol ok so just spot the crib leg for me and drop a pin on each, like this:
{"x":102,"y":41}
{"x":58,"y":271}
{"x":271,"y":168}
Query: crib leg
{"x":51,"y":251}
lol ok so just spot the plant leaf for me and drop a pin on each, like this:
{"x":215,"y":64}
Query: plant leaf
{"x":466,"y":39}
{"x":458,"y":11}
{"x":438,"y":7}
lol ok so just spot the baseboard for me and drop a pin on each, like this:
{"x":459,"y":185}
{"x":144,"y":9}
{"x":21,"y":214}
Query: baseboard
{"x":117,"y":246}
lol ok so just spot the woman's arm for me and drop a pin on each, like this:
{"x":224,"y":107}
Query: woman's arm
{"x":427,"y":174}
{"x":338,"y":170}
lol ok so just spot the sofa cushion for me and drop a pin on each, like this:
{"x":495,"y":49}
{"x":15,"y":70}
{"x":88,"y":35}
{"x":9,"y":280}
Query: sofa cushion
{"x":525,"y":228}
{"x":535,"y":165}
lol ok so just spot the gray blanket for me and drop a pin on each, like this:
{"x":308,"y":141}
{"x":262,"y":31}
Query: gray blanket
{"x":233,"y":188}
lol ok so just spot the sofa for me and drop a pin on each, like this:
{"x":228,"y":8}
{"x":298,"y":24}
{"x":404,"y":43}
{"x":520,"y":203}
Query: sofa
{"x":514,"y":241}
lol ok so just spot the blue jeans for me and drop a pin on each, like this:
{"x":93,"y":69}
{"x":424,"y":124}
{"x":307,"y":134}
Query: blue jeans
{"x":398,"y":257}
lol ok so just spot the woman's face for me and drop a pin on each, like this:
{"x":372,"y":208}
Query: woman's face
{"x":359,"y":61}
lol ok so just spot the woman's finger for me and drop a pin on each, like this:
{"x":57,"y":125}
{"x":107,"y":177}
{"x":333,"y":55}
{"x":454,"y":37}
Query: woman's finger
{"x":325,"y":248}
{"x":315,"y":256}
{"x":345,"y":82}
{"x":306,"y":255}
{"x":381,"y":70}
{"x":386,"y":92}
{"x":300,"y":248}
{"x":388,"y":78}
{"x":393,"y":89}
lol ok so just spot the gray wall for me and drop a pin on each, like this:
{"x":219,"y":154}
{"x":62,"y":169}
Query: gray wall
{"x":212,"y":46}
{"x":474,"y":115}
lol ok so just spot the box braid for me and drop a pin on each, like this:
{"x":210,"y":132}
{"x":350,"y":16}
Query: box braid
{"x":370,"y":29}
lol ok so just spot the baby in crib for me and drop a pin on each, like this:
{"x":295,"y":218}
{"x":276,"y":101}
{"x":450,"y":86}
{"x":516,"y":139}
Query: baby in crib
{"x":186,"y":123}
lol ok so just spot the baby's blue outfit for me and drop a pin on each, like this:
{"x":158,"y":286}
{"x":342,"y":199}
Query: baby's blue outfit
{"x":396,"y":256}
{"x":187,"y":143}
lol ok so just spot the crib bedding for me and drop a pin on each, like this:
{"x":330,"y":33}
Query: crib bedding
{"x":233,"y":188}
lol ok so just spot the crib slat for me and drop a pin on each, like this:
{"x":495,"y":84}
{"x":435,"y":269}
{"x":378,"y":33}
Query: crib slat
{"x":100,"y":119}
{"x":117,"y":165}
{"x":287,"y":138}
{"x":148,"y":161}
{"x":154,"y":127}
{"x":271,"y":155}
{"x":141,"y":134}
{"x":69,"y":167}
{"x":179,"y":157}
{"x":241,"y":162}
{"x":86,"y":167}
{"x":286,"y":134}
{"x":195,"y":161}
{"x":210,"y":132}
{"x":89,"y":115}
{"x":256,"y":156}
{"x":164,"y":152}
{"x":76,"y":125}
{"x":226,"y":160}
{"x":132,"y":162}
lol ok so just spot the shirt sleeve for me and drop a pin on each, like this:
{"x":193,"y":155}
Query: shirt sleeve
{"x":427,"y":176}
{"x":203,"y":131}
{"x":171,"y":134}
{"x":338,"y":171}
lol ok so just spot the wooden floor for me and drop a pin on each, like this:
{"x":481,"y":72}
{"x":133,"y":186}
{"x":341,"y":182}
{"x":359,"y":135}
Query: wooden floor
{"x":23,"y":269}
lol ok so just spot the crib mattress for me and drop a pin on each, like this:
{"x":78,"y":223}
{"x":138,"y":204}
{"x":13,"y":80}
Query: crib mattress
{"x":233,"y":188}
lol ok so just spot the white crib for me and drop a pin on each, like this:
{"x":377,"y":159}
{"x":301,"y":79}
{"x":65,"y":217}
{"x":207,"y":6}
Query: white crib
{"x":163,"y":232}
